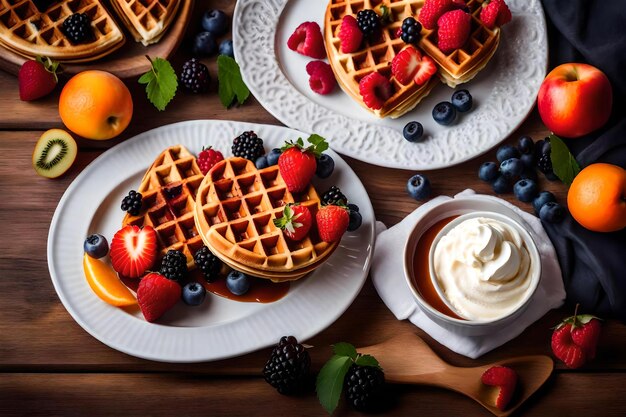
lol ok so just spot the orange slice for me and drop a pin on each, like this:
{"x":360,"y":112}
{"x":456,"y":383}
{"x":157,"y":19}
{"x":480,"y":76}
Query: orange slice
{"x":104,"y":282}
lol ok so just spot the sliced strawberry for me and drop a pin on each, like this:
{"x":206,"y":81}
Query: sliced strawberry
{"x":350,"y":35}
{"x":307,"y":40}
{"x":332,"y":222}
{"x":506,"y":379}
{"x":297,"y":163}
{"x":295,"y":222}
{"x":410,"y":65}
{"x":133,"y":250}
{"x":375,"y":89}
{"x":156,"y":295}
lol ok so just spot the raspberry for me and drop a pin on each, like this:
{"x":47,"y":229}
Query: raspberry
{"x":495,"y":13}
{"x":321,"y":80}
{"x":375,"y":89}
{"x":350,"y":35}
{"x":368,"y":21}
{"x":288,"y":367}
{"x":248,"y":145}
{"x":364,"y":386}
{"x":454,"y":30}
{"x":174,"y":265}
{"x":207,"y":158}
{"x":195,"y":76}
{"x":432,"y":11}
{"x":307,"y":40}
{"x":77,"y":28}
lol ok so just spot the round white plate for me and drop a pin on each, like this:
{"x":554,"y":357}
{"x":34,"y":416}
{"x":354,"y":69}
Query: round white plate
{"x":220,"y":328}
{"x":504,"y":92}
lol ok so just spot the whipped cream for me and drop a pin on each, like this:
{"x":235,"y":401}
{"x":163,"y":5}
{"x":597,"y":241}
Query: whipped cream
{"x":483,"y":268}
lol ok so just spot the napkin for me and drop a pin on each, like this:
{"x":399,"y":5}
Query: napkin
{"x":388,"y":278}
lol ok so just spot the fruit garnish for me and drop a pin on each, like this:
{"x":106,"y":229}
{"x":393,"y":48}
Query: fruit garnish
{"x":161,"y":82}
{"x":208,"y":263}
{"x":505,"y":379}
{"x":215,"y":21}
{"x":248,"y":145}
{"x":325,"y":166}
{"x":462,"y":100}
{"x":334,"y":196}
{"x":413,"y":131}
{"x":432,"y":10}
{"x":375,"y":89}
{"x":410,"y":30}
{"x":321,"y":77}
{"x":410,"y":65}
{"x":297,"y":163}
{"x":195,"y":76}
{"x":287,"y":369}
{"x":307,"y":40}
{"x":237,"y":282}
{"x":54,"y":153}
{"x":96,"y":246}
{"x":444,"y":113}
{"x":419,"y":187}
{"x":495,"y":13}
{"x":173,"y":191}
{"x":105,"y":283}
{"x":156,"y":295}
{"x":231,"y":85}
{"x":350,"y":36}
{"x":132,"y":203}
{"x":575,"y":339}
{"x":174,"y":265}
{"x":207,"y":158}
{"x":77,"y":28}
{"x":37,"y":78}
{"x":369,"y":22}
{"x":133,"y":250}
{"x":454,"y":30}
{"x":295,"y":222}
{"x":193,"y":294}
{"x":332,"y":222}
{"x":204,"y":44}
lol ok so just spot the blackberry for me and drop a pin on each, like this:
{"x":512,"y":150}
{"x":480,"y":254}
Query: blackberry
{"x":368,"y":21}
{"x":195,"y":76}
{"x":174,"y":265}
{"x":132,"y":203}
{"x":363,"y":387}
{"x":77,"y":28}
{"x":248,"y":145}
{"x":208,"y":263}
{"x":334,"y":196}
{"x":287,"y":369}
{"x":411,"y":29}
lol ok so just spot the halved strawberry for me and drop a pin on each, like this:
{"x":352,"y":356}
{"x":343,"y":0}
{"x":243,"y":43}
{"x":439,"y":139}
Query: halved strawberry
{"x":504,"y":378}
{"x":133,"y":250}
{"x":410,"y":65}
{"x":295,"y":222}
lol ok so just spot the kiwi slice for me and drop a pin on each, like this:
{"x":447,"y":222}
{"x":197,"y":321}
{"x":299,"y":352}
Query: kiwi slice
{"x":54,"y":153}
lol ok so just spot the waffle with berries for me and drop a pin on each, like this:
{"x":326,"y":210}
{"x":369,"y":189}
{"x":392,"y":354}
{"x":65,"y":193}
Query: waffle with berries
{"x":147,"y":20}
{"x":29,"y":32}
{"x":235,"y":208}
{"x":168,"y":192}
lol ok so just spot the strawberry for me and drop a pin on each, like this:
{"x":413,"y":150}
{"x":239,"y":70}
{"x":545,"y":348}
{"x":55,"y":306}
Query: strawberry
{"x":297,"y":164}
{"x":207,"y":158}
{"x":454,"y":30}
{"x":375,"y":89}
{"x":156,"y":295}
{"x":432,"y":10}
{"x":307,"y":39}
{"x":410,"y":65}
{"x":575,"y":339}
{"x":37,"y":78}
{"x":133,"y":250}
{"x":495,"y":13}
{"x":295,"y":222}
{"x":350,"y":36}
{"x":332,"y":222}
{"x":321,"y":77}
{"x":504,"y":378}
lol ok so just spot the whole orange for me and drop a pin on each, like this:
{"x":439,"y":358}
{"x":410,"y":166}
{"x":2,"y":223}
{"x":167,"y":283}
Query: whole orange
{"x":597,"y":198}
{"x":96,"y":105}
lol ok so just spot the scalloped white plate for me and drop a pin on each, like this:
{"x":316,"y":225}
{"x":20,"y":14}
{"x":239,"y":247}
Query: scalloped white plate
{"x":504,"y":92}
{"x":220,"y":328}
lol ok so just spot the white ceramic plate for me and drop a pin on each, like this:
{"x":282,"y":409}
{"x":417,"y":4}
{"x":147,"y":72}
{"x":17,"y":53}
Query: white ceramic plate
{"x":504,"y":92}
{"x":220,"y":328}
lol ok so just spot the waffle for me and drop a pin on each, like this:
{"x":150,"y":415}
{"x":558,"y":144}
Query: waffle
{"x":235,"y":208}
{"x":27,"y":32}
{"x":147,"y":20}
{"x":171,"y":217}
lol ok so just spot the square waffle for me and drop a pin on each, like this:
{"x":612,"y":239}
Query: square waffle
{"x":28,"y":32}
{"x":235,"y":208}
{"x":147,"y":20}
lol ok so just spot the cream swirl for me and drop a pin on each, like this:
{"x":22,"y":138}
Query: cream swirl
{"x":483,"y":268}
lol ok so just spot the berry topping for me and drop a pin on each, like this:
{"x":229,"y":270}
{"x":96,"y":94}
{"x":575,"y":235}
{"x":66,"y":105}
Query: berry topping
{"x":248,"y":145}
{"x":418,"y":187}
{"x":307,"y":40}
{"x":209,"y":264}
{"x":444,"y":113}
{"x":37,"y":78}
{"x":410,"y":30}
{"x":132,"y":203}
{"x":156,"y":295}
{"x":287,"y":369}
{"x":204,"y":44}
{"x":355,"y":219}
{"x":325,"y":166}
{"x":334,"y":196}
{"x":350,"y":35}
{"x":237,"y":283}
{"x":295,"y":222}
{"x":543,"y":198}
{"x":364,"y":386}
{"x":552,"y":212}
{"x":77,"y":28}
{"x":195,"y":76}
{"x":215,"y":21}
{"x":410,"y":65}
{"x":207,"y":158}
{"x":194,"y":294}
{"x":495,"y":13}
{"x":454,"y":30}
{"x":575,"y":339}
{"x":226,"y":48}
{"x":461,"y":100}
{"x":375,"y":89}
{"x":488,"y":171}
{"x":432,"y":11}
{"x":525,"y":190}
{"x":525,"y":145}
{"x":505,"y":152}
{"x":544,"y":162}
{"x":504,"y":378}
{"x":511,"y":168}
{"x":272,"y":157}
{"x":261,"y":162}
{"x":174,"y":265}
{"x":133,"y":250}
{"x":501,"y":185}
{"x":172,"y":192}
{"x":332,"y":222}
{"x":413,"y":131}
{"x":368,"y":21}
{"x":297,"y":163}
{"x":96,"y":246}
{"x":321,"y":77}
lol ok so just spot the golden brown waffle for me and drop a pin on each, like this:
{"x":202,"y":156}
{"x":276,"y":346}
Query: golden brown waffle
{"x":147,"y":20}
{"x":235,"y":208}
{"x":170,"y":213}
{"x":27,"y":32}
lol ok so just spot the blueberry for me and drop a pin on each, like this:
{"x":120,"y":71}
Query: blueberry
{"x":505,"y":152}
{"x":501,"y":185}
{"x":444,"y":113}
{"x":525,"y":190}
{"x":261,"y":162}
{"x":215,"y":21}
{"x":272,"y":157}
{"x":193,"y":294}
{"x":488,"y":171}
{"x":355,"y":221}
{"x":237,"y":282}
{"x":552,"y":212}
{"x":418,"y":187}
{"x":511,"y":168}
{"x":353,"y":207}
{"x":543,"y":198}
{"x":96,"y":246}
{"x":525,"y":145}
{"x":528,"y":159}
{"x":325,"y":166}
{"x":226,"y":48}
{"x":204,"y":44}
{"x":413,"y":131}
{"x":462,"y":100}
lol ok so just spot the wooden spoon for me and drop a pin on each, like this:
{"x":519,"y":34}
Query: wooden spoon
{"x":407,"y":359}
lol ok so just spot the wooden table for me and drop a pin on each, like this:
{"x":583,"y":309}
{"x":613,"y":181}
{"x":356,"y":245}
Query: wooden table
{"x":50,"y":366}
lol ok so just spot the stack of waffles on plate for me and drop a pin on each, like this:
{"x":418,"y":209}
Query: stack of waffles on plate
{"x":147,"y":20}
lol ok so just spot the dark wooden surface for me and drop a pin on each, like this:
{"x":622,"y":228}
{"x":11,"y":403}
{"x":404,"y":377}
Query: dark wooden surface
{"x":50,"y":366}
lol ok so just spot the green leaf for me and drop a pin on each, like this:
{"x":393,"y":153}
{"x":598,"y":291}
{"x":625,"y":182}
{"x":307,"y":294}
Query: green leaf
{"x":330,"y":381}
{"x":231,"y":85}
{"x":564,"y":164}
{"x":161,"y":81}
{"x":367,"y":360}
{"x":319,"y":144}
{"x":344,"y":349}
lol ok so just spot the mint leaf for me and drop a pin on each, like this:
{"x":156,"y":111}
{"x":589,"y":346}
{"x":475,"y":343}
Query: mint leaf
{"x":161,"y":81}
{"x":330,"y":381}
{"x":344,"y":349}
{"x":367,"y":360}
{"x":319,"y":144}
{"x":564,"y":164}
{"x":231,"y":85}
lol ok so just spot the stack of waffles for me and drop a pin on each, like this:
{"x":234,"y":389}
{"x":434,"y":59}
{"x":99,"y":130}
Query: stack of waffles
{"x":147,"y":20}
{"x":235,"y":210}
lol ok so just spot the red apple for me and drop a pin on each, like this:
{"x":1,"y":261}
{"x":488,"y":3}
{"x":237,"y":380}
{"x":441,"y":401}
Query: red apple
{"x":575,"y":99}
